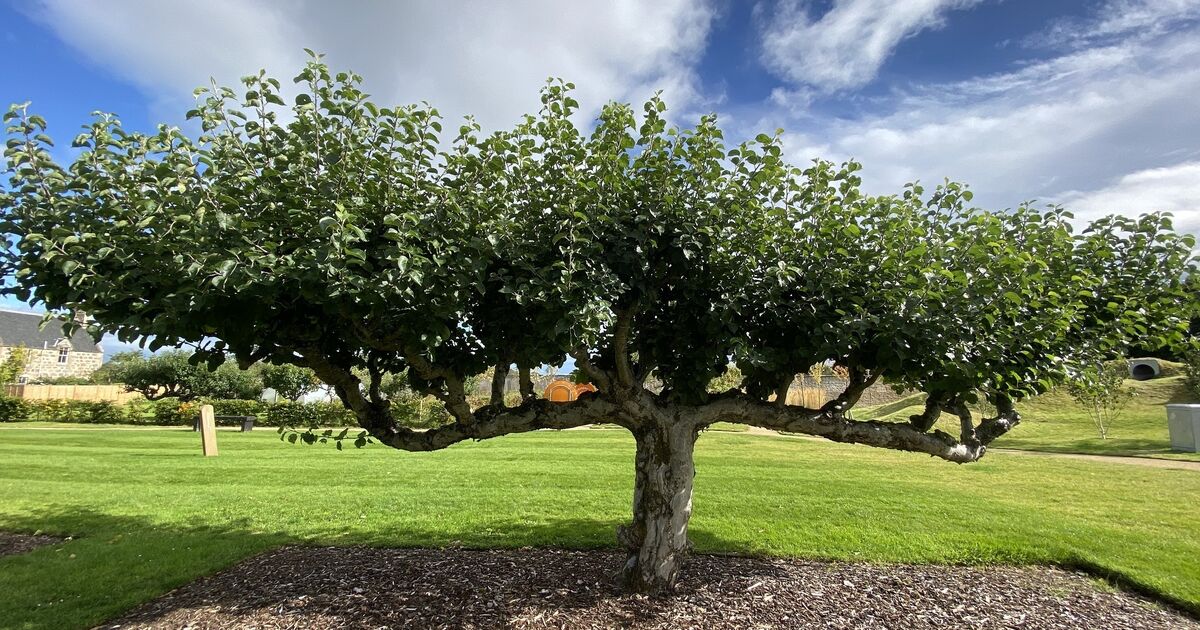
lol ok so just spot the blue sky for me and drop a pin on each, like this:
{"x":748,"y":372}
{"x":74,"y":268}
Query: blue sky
{"x":1089,"y":104}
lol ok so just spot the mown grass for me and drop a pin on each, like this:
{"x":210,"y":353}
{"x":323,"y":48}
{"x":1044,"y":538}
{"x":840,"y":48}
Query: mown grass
{"x":1055,"y":423}
{"x":148,"y":513}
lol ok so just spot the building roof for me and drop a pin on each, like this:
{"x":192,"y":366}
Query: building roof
{"x":24,"y":329}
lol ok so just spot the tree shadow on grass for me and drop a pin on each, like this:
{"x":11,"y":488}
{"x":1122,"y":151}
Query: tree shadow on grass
{"x":110,"y":564}
{"x":123,"y":565}
{"x":1115,"y":446}
{"x":113,"y":563}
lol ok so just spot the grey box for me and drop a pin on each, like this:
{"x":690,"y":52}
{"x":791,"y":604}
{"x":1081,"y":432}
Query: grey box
{"x":1183,"y":421}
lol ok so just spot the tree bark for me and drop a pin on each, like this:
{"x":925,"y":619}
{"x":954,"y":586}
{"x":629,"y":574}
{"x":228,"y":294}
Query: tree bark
{"x":662,"y":505}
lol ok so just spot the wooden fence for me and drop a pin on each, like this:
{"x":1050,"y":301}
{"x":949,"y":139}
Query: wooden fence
{"x":115,"y":393}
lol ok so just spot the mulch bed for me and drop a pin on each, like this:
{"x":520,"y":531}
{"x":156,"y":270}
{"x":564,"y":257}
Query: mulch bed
{"x":299,"y":587}
{"x":24,"y":543}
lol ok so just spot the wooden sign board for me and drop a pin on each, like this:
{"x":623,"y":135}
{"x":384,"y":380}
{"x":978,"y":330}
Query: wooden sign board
{"x":208,"y":431}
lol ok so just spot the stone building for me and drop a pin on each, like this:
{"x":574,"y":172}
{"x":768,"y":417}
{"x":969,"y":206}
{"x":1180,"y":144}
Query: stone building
{"x":51,"y":355}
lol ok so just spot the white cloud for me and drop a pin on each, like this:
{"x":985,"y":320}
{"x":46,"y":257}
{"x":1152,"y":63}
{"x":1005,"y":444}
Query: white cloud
{"x":483,"y":58}
{"x":848,"y":44}
{"x":1175,"y":189}
{"x":1082,"y":121}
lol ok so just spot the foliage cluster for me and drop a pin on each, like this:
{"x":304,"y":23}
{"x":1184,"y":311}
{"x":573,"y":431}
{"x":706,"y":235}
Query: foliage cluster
{"x":290,"y":382}
{"x":385,"y":249}
{"x":173,"y":374}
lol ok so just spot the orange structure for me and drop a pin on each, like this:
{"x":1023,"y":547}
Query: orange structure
{"x":566,"y":391}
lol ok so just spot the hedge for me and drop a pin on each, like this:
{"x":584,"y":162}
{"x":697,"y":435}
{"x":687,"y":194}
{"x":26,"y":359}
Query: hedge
{"x":170,"y":411}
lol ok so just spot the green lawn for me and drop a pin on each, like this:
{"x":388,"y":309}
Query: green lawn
{"x":1053,"y":422}
{"x":148,"y":513}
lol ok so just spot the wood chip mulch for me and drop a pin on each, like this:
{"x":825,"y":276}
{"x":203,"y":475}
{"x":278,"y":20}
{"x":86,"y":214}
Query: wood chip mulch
{"x":11,"y":544}
{"x":299,"y":587}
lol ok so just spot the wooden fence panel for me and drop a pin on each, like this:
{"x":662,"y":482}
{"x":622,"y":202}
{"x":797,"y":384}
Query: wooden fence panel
{"x":114,"y":393}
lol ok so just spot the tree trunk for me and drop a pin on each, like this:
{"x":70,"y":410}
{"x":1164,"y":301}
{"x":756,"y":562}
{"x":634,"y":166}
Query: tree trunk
{"x":662,"y":504}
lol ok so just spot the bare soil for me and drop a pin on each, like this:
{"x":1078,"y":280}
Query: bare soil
{"x":298,"y":587}
{"x":11,"y":544}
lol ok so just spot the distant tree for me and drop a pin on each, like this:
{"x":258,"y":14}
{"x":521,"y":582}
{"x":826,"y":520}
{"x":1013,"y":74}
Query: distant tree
{"x":173,"y":374}
{"x":112,"y":371}
{"x":1100,"y":389}
{"x":289,"y":381}
{"x":350,"y":239}
{"x":14,"y":365}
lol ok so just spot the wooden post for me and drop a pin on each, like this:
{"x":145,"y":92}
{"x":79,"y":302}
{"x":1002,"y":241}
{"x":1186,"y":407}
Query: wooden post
{"x":208,"y":431}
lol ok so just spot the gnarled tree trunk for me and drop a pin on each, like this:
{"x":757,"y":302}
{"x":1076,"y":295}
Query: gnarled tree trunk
{"x":662,"y":505}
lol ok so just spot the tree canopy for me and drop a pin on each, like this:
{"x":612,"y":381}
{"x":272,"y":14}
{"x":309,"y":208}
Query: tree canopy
{"x":172,"y":374}
{"x":289,"y":381}
{"x":359,"y":240}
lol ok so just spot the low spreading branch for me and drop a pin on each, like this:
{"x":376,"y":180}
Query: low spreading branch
{"x":491,"y":421}
{"x":832,"y":425}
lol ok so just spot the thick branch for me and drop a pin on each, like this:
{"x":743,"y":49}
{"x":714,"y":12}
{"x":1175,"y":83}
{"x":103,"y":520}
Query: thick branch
{"x":966,"y":423}
{"x":601,"y":379}
{"x":781,"y":390}
{"x":621,"y":347}
{"x":830,"y":424}
{"x":860,"y":380}
{"x":348,"y":387}
{"x":374,"y":388}
{"x":929,"y":417}
{"x":526,"y":383}
{"x":499,"y":382}
{"x":491,"y":421}
{"x":487,"y":422}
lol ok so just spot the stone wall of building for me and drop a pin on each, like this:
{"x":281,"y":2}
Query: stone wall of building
{"x":44,"y":363}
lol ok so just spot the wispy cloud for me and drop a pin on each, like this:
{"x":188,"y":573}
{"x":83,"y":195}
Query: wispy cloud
{"x":486,"y":59}
{"x":1118,"y":19}
{"x":845,"y":47}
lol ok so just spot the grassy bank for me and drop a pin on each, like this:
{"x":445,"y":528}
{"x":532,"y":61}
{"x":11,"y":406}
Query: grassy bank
{"x":1054,"y":423}
{"x":147,"y":513}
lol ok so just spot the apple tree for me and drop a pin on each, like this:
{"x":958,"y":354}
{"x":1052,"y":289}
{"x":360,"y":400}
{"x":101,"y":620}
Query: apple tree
{"x":325,"y":231}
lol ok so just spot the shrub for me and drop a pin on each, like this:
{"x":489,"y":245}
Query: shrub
{"x":174,"y":412}
{"x":139,"y":411}
{"x":98,"y":412}
{"x":12,"y":409}
{"x":421,"y":412}
{"x":235,"y":407}
{"x":80,"y":411}
{"x":308,"y":414}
